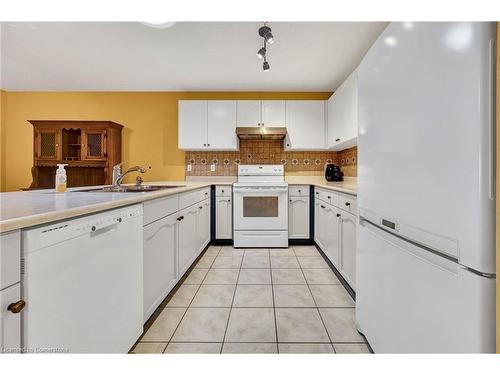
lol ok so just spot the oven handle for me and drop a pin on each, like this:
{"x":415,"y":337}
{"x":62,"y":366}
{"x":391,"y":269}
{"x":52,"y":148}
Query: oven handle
{"x":259,"y":190}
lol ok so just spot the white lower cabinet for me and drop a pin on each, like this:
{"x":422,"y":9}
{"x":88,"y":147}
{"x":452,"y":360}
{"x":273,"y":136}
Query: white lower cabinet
{"x":203,"y":225}
{"x":298,"y":217}
{"x":224,"y":217}
{"x":335,"y":234}
{"x":348,"y":246}
{"x":10,"y":322}
{"x":173,"y":242}
{"x":188,"y":239}
{"x":160,"y":268}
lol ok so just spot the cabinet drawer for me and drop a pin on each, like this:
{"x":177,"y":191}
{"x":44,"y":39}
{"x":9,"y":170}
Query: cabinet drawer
{"x":223,"y":191}
{"x":327,"y":196}
{"x":10,"y":259}
{"x":298,"y":191}
{"x":192,"y":197}
{"x":157,"y":208}
{"x":348,"y":203}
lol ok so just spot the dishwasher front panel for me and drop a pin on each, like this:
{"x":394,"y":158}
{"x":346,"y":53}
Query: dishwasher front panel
{"x":83,"y":285}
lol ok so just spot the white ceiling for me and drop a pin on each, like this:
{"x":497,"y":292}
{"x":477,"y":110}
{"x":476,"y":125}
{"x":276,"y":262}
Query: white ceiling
{"x":189,"y":56}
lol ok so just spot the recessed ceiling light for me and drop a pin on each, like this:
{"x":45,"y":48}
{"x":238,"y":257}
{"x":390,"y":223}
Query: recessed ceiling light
{"x":159,"y":24}
{"x":391,"y":41}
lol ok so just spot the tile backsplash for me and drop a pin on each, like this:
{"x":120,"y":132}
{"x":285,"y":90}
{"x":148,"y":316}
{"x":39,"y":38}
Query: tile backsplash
{"x":270,"y":152}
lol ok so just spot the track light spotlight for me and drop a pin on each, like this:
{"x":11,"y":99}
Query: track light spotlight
{"x":265,"y":32}
{"x":266,"y":66}
{"x":261,"y":53}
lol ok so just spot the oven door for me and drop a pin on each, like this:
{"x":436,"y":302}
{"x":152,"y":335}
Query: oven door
{"x":260,"y":208}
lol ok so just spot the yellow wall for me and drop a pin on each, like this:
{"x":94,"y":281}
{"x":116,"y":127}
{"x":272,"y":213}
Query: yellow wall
{"x":2,"y":140}
{"x":150,"y":120}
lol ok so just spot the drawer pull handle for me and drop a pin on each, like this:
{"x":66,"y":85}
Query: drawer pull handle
{"x":323,"y":206}
{"x":338,"y":139}
{"x":338,"y":215}
{"x":347,"y":204}
{"x":16,"y":307}
{"x":180,"y":218}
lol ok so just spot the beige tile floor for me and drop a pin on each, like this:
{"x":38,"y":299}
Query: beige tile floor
{"x":257,"y":301}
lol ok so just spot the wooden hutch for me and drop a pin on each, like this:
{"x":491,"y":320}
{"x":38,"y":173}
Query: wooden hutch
{"x":90,"y":148}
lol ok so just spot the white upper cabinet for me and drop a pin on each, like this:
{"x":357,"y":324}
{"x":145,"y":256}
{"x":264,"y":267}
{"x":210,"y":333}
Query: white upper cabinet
{"x":207,"y":125}
{"x":248,"y":113}
{"x":221,"y":125}
{"x":343,"y":115}
{"x":273,"y":113}
{"x":306,"y":125}
{"x":192,"y":124}
{"x":262,"y":113}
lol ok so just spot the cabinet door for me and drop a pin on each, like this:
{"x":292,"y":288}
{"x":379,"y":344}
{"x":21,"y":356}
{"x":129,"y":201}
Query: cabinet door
{"x":320,"y":224}
{"x":94,"y":144}
{"x":203,"y":225}
{"x":348,"y":247}
{"x":10,"y":323}
{"x":248,"y":113}
{"x":221,"y":129}
{"x":274,"y":113}
{"x":224,"y":218}
{"x":332,"y":234}
{"x":192,"y":124}
{"x":159,"y":262}
{"x":188,"y":240}
{"x":48,"y":144}
{"x":343,"y":115}
{"x":298,"y":217}
{"x":306,"y":125}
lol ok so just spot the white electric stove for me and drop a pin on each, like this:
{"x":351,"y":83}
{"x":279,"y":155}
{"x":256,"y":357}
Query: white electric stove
{"x":260,"y":206}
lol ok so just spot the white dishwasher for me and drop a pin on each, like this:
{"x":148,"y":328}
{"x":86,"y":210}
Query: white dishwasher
{"x":82,"y":283}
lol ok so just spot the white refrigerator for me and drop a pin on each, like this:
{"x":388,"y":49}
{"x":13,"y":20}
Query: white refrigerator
{"x":426,"y":189}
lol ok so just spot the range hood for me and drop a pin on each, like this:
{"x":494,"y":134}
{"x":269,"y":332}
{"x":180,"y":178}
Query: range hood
{"x":260,"y":133}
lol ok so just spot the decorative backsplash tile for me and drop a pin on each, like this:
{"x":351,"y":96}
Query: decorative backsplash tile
{"x":269,"y":152}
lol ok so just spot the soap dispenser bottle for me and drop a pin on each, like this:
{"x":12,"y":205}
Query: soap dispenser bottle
{"x":61,"y":178}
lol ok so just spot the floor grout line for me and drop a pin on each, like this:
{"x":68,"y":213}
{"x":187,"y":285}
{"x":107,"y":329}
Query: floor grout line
{"x":317,"y":309}
{"x":231,"y":307}
{"x":274,"y":309}
{"x":187,"y":308}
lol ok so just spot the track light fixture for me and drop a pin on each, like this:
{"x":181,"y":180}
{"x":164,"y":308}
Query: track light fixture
{"x":266,"y":33}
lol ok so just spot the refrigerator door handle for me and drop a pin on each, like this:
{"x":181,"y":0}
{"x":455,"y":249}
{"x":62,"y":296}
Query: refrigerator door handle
{"x":491,"y":120}
{"x":424,"y":254}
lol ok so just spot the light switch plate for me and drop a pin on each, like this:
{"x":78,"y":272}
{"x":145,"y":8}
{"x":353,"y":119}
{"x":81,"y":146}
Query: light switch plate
{"x":189,"y":167}
{"x":212,"y":167}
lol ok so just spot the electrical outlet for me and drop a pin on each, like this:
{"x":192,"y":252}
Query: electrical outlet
{"x":212,"y":167}
{"x":189,"y":167}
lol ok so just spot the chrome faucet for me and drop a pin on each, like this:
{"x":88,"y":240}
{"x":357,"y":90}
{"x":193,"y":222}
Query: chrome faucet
{"x":118,"y":176}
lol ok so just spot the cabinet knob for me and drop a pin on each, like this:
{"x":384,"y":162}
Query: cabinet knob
{"x":323,"y":206}
{"x":299,"y":190}
{"x":338,"y":215}
{"x":208,"y":144}
{"x":200,"y":207}
{"x":290,"y":201}
{"x":288,"y":145}
{"x":229,"y":200}
{"x":328,"y":197}
{"x":338,"y":139}
{"x":222,"y":191}
{"x":16,"y":307}
{"x":347,"y":204}
{"x":204,"y":145}
{"x":180,"y":218}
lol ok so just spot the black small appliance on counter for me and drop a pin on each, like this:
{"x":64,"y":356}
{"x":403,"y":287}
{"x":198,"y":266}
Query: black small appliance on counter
{"x":333,"y":173}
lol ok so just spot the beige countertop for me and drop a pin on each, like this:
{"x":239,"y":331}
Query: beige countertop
{"x":28,"y":208}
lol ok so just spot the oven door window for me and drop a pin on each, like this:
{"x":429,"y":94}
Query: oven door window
{"x":260,"y":206}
